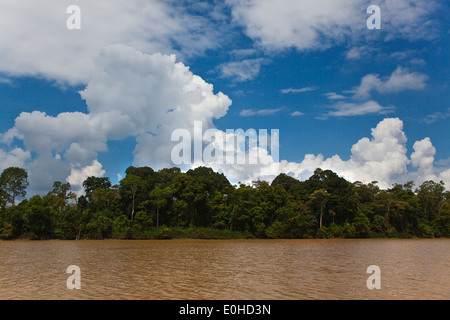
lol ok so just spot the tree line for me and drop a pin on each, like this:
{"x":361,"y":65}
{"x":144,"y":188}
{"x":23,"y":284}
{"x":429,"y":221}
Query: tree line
{"x":201,"y":203}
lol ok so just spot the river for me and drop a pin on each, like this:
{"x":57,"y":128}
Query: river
{"x":225,"y":269}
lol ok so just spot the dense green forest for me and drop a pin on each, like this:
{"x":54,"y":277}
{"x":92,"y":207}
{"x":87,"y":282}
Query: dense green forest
{"x":201,"y":203}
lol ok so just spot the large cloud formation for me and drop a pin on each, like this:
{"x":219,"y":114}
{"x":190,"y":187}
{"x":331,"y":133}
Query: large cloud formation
{"x":306,"y":25}
{"x":382,"y":158}
{"x":129,"y":94}
{"x":35,"y":41}
{"x":148,"y":96}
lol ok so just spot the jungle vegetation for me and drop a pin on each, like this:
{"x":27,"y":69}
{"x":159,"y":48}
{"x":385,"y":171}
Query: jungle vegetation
{"x":201,"y":203}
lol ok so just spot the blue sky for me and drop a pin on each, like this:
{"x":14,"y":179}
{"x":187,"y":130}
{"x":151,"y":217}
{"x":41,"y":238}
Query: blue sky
{"x":368,"y":104}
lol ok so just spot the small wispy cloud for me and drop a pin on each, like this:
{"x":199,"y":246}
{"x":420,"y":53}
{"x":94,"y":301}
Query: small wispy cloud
{"x":343,"y":109}
{"x":431,"y":118}
{"x":240,"y":53}
{"x":300,"y":90}
{"x":335,"y":96}
{"x":352,"y":103}
{"x":5,"y":80}
{"x":361,"y":52}
{"x":297,"y":114}
{"x":262,"y":112}
{"x":242,"y":71}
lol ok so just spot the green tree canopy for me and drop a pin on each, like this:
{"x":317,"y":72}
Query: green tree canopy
{"x":150,"y":204}
{"x":92,"y":183}
{"x":130,"y":185}
{"x":14,"y":181}
{"x":319,"y":198}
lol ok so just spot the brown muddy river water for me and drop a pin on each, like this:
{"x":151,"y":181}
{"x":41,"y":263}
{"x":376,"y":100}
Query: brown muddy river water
{"x":225,"y":269}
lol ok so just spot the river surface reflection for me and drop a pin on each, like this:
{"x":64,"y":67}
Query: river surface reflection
{"x":226,"y":269}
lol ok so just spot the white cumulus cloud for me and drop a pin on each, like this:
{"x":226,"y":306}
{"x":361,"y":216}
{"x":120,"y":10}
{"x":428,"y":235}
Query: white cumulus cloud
{"x":400,"y":79}
{"x":148,"y":96}
{"x":35,"y":41}
{"x":383,"y":157}
{"x":79,"y":175}
{"x":129,"y":93}
{"x":14,"y":158}
{"x":304,"y":25}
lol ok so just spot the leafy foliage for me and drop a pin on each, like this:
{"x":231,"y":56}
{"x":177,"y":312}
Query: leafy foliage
{"x":13,"y":182}
{"x":201,"y":203}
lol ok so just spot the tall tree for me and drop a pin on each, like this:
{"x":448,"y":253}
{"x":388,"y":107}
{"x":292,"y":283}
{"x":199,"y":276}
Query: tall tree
{"x":160,"y":197}
{"x":320,"y":198}
{"x":92,"y":183}
{"x":131,"y":184}
{"x":3,"y":199}
{"x":287,"y":182}
{"x":14,"y":181}
{"x":431,"y":195}
{"x":366,"y":192}
{"x":61,"y":190}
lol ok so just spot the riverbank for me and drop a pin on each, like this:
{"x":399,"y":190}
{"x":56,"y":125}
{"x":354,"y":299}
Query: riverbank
{"x":166,"y":233}
{"x":161,"y":233}
{"x":189,"y":233}
{"x":200,"y":233}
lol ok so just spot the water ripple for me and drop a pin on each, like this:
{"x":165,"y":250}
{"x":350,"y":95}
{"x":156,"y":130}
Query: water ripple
{"x":237,"y":269}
